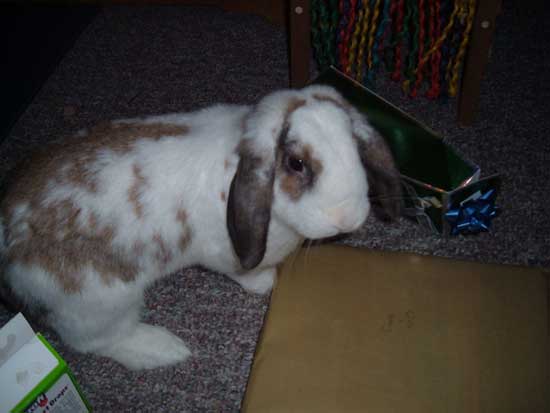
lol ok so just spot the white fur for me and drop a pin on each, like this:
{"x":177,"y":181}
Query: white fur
{"x":338,"y":202}
{"x":190,"y":173}
{"x":257,"y":281}
{"x":18,"y":226}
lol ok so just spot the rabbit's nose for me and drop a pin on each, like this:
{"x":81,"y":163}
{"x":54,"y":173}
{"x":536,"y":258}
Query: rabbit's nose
{"x":348,"y":216}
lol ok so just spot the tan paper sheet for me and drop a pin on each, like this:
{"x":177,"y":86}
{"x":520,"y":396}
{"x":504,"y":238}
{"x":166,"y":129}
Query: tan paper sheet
{"x":351,"y":330}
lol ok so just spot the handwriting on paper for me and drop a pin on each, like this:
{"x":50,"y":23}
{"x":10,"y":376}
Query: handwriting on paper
{"x":396,"y":321}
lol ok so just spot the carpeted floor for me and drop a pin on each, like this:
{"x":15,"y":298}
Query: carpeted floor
{"x":148,"y":60}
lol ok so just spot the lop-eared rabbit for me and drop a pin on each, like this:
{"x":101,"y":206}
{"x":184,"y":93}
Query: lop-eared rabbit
{"x":88,"y":224}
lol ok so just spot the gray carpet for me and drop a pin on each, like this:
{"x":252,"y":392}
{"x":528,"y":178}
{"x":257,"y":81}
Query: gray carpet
{"x":132,"y":61}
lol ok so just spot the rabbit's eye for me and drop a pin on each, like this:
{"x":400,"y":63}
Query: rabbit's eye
{"x":295,"y":164}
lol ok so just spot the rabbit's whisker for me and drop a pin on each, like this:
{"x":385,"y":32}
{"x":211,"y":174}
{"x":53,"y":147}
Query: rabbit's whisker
{"x":307,"y":254}
{"x":388,"y":197}
{"x":294,"y":256}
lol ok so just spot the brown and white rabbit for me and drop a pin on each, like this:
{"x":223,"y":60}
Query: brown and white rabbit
{"x":87,"y":225}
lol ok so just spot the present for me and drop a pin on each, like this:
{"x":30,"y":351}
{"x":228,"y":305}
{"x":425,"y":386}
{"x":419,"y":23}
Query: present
{"x":33,"y":377}
{"x":441,"y":191}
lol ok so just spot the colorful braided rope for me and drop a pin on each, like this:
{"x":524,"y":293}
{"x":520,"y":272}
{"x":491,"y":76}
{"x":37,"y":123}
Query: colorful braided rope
{"x":353,"y":63}
{"x":453,"y":84}
{"x":398,"y":37}
{"x":363,"y":39}
{"x":422,"y":43}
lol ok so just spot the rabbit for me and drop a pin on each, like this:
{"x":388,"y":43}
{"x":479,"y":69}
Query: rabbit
{"x":87,"y":224}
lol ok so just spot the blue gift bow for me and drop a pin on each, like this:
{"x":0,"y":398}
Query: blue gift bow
{"x":473,"y":216}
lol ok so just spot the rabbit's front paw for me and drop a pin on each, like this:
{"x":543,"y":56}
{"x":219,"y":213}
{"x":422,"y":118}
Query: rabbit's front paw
{"x":257,"y":281}
{"x":147,"y":348}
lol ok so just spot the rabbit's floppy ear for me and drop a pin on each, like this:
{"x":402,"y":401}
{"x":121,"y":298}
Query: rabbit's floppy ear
{"x":383,"y":177}
{"x":249,"y":206}
{"x":251,"y":192}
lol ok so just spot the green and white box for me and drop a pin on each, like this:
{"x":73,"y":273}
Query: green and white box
{"x":33,"y":377}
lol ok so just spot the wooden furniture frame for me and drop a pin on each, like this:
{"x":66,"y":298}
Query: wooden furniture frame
{"x":474,"y":67}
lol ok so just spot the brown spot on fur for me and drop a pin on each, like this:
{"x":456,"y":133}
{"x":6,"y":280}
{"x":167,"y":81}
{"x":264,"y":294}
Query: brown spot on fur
{"x":59,"y":218}
{"x":154,"y":131}
{"x":181,"y":216}
{"x":163,"y":254}
{"x":226,"y":164}
{"x":53,"y":237}
{"x":69,"y":161}
{"x":291,"y":186}
{"x":93,"y":222}
{"x":222,"y":196}
{"x":136,"y":189}
{"x":330,"y":99}
{"x":315,"y":164}
{"x":56,"y":243}
{"x":107,"y":233}
{"x":185,"y":237}
{"x":79,"y":176}
{"x":138,"y":248}
{"x":295,"y":185}
{"x":293,"y":105}
{"x":184,"y":240}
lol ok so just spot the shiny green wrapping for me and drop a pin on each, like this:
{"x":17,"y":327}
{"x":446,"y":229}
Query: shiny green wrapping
{"x":432,"y":173}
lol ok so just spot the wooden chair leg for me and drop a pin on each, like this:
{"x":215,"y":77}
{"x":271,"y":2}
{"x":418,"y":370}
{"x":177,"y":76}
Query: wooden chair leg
{"x":300,"y":43}
{"x":476,"y":59}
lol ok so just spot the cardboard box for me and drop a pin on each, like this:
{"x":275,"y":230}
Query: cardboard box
{"x":33,"y":377}
{"x":442,"y":191}
{"x":352,"y":330}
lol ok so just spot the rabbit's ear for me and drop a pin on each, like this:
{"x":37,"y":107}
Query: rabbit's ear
{"x":251,"y":193}
{"x":249,"y":207}
{"x":384,"y":181}
{"x":385,"y":192}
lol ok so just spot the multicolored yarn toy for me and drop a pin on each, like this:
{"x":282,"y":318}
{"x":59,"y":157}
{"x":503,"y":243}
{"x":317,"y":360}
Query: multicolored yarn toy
{"x":422,"y":43}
